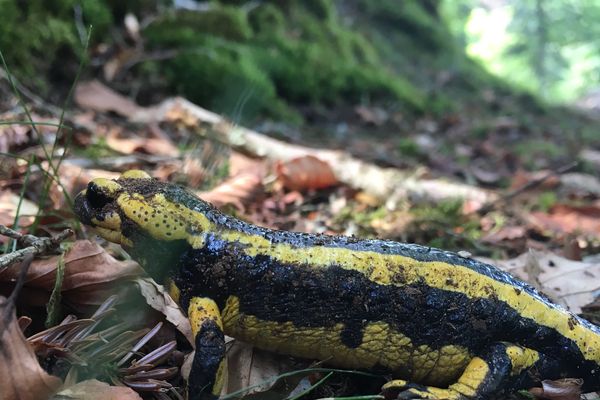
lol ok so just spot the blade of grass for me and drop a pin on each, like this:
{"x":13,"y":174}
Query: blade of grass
{"x":48,"y":155}
{"x":365,"y":397}
{"x":275,"y":378}
{"x":68,"y":136}
{"x":13,"y":243}
{"x":53,"y":307}
{"x":54,"y":124}
{"x":311,"y":388}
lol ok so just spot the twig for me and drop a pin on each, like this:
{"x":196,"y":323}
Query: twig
{"x":385,"y":183}
{"x":528,"y":186}
{"x":34,"y":245}
{"x":11,"y":301}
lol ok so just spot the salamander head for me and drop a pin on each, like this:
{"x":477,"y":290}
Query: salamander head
{"x":136,"y":208}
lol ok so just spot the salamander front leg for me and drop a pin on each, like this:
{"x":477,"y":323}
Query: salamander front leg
{"x":484,"y":376}
{"x":208,"y":367}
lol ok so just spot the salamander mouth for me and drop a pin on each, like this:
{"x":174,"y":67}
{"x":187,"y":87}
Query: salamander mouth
{"x":101,"y":216}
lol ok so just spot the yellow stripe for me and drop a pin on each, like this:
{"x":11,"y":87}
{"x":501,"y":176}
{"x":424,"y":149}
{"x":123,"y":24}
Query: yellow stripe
{"x":471,"y":379}
{"x":391,"y":269}
{"x":202,"y":309}
{"x":521,"y":358}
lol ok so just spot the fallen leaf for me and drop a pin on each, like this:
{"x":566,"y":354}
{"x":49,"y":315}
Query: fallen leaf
{"x":563,"y":218}
{"x":252,"y":367}
{"x":580,"y":185}
{"x":157,"y":297}
{"x":93,"y":389}
{"x":96,"y":96}
{"x":521,"y":178}
{"x":21,"y":376}
{"x":569,"y":283}
{"x":241,"y":164}
{"x":135,"y":144}
{"x":303,"y":173}
{"x":239,"y":191}
{"x":484,"y":172}
{"x":506,"y":233}
{"x":90,"y":276}
{"x":13,"y":137}
{"x":73,"y":179}
{"x":564,"y":389}
{"x":9,"y":202}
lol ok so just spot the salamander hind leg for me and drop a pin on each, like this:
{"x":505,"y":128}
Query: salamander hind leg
{"x":485,"y":376}
{"x":208,"y":367}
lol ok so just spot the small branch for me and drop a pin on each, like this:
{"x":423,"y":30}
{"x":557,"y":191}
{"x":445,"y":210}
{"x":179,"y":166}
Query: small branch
{"x":385,"y":183}
{"x":34,"y":245}
{"x":8,"y":310}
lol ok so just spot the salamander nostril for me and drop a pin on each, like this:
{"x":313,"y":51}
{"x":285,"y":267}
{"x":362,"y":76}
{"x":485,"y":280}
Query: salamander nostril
{"x":96,"y":197}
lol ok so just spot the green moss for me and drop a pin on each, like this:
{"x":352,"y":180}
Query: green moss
{"x":411,"y":17}
{"x":267,"y":19}
{"x":408,"y":147}
{"x":37,"y":36}
{"x":546,"y":200}
{"x":444,"y":226}
{"x":322,"y":9}
{"x":290,"y":57}
{"x":538,"y":150}
{"x":186,"y":27}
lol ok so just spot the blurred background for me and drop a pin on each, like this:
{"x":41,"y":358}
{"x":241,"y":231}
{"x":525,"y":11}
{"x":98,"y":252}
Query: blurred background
{"x":293,"y":60}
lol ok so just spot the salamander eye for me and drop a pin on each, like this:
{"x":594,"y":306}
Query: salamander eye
{"x":95,"y":196}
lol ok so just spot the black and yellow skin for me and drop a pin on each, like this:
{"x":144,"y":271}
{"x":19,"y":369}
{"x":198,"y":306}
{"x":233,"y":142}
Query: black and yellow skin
{"x":447,"y":327}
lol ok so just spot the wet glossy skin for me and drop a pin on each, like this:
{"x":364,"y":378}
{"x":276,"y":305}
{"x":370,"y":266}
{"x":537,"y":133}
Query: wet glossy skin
{"x":421,"y":313}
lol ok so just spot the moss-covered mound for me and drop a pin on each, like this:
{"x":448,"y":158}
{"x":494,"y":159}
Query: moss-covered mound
{"x":274,"y":55}
{"x":246,"y":58}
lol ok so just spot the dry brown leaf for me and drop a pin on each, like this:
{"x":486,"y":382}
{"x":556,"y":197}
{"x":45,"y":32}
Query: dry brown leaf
{"x":239,"y":191}
{"x":248,"y":366}
{"x":521,"y":178}
{"x":157,"y":297}
{"x":563,"y":218}
{"x":303,"y":173}
{"x":96,"y":96}
{"x":564,"y":389}
{"x":135,"y":144}
{"x":9,"y":202}
{"x":93,"y":389}
{"x":13,"y":136}
{"x":240,"y":164}
{"x":570,"y":283}
{"x":90,"y":274}
{"x":506,"y":233}
{"x":576,"y":184}
{"x":21,"y":377}
{"x":73,"y":179}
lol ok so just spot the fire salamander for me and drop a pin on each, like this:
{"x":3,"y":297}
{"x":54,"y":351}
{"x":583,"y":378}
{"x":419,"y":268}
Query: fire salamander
{"x":447,"y":327}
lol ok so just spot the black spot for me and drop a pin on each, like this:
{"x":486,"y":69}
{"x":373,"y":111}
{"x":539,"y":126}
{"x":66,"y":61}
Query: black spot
{"x":352,"y":335}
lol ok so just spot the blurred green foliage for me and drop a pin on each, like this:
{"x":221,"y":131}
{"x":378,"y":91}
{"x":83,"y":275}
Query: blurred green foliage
{"x":237,"y":57}
{"x":37,"y":36}
{"x":274,"y":55}
{"x":548,"y":47}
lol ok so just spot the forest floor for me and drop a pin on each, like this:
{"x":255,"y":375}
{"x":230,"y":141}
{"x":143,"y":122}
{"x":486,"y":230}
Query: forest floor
{"x":490,"y":188}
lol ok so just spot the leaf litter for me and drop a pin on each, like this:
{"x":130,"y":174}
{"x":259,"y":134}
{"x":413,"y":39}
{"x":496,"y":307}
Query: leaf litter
{"x":293,"y":187}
